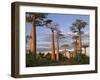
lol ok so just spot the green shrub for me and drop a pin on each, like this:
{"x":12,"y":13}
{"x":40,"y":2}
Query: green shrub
{"x":30,"y":60}
{"x":83,"y":59}
{"x":45,"y":60}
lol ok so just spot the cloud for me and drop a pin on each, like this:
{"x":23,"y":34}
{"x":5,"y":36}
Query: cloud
{"x":43,"y":44}
{"x":44,"y":40}
{"x":43,"y":49}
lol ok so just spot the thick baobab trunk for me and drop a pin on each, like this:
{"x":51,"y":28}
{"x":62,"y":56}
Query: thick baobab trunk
{"x":79,"y":47}
{"x":33,"y":39}
{"x":53,"y":47}
{"x":75,"y":48}
{"x":80,"y":44}
{"x":57,"y":47}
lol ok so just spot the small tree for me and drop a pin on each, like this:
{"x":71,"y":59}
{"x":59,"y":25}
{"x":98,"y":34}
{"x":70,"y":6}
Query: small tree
{"x":65,"y":48}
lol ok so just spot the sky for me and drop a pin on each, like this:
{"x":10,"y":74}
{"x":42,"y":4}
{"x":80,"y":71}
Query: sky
{"x":64,"y":20}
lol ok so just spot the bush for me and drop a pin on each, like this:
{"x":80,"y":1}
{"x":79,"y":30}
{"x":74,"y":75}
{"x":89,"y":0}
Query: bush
{"x":84,"y":59}
{"x":45,"y":60}
{"x":41,"y":60}
{"x":80,"y":59}
{"x":48,"y":56}
{"x":62,"y":57}
{"x":30,"y":60}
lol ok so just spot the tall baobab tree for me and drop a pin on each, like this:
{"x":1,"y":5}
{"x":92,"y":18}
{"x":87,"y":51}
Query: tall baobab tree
{"x":57,"y":44}
{"x":36,"y":19}
{"x":85,"y":46}
{"x":59,"y":36}
{"x":53,"y":26}
{"x":77,"y":27}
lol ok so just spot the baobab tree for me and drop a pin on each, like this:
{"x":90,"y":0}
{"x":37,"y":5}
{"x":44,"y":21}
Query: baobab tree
{"x":57,"y":44}
{"x":77,"y":27}
{"x":59,"y":36}
{"x":55,"y":27}
{"x":52,"y":26}
{"x":36,"y":19}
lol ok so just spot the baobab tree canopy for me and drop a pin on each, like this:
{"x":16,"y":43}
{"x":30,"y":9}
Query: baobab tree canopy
{"x":52,"y":25}
{"x":78,"y":25}
{"x":38,"y":17}
{"x":65,"y":46}
{"x":75,"y":37}
{"x":85,"y":45}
